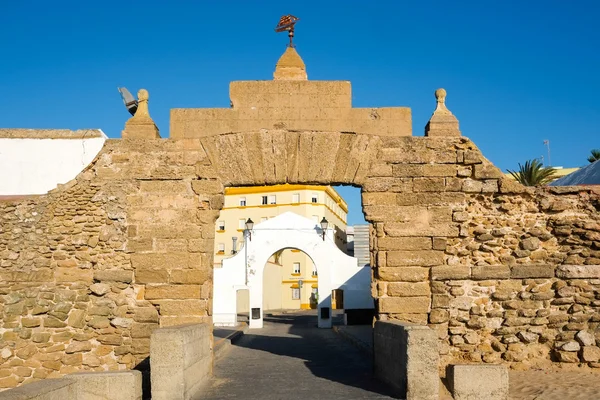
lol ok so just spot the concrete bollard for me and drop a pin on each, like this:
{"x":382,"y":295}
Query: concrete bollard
{"x":180,"y":361}
{"x":406,"y":357}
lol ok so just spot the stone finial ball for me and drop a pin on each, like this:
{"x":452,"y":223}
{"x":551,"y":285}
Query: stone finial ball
{"x":143,"y":94}
{"x":440,"y":93}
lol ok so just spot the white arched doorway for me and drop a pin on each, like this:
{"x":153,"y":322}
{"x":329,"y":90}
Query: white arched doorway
{"x":245,"y":270}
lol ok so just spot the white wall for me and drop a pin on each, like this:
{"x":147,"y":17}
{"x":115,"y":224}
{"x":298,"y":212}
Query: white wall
{"x":36,"y":166}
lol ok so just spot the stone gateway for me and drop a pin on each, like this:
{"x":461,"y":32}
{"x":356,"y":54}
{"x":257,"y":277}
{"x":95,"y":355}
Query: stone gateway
{"x":502,"y":273}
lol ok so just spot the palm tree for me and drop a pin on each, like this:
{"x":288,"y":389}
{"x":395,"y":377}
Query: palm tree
{"x":533,"y":173}
{"x":595,"y":156}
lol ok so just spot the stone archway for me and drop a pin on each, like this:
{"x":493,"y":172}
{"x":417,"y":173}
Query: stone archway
{"x":288,"y":230}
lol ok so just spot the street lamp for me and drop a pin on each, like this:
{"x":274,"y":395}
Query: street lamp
{"x":324,"y":225}
{"x":249,"y":226}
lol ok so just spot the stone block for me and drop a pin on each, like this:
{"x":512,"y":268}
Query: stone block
{"x":404,"y":305}
{"x":406,"y":274}
{"x":180,"y":361}
{"x":449,"y":272}
{"x":490,"y":272}
{"x":154,"y":292}
{"x":479,"y":382}
{"x":48,"y":389}
{"x":578,"y":271}
{"x":408,"y":289}
{"x":113,"y":385}
{"x":404,"y":243}
{"x":114,"y":275}
{"x":406,"y":357}
{"x":422,"y":258}
{"x":183,"y":307}
{"x":197,"y":276}
{"x":532,"y":271}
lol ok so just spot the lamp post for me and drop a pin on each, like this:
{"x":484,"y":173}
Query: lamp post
{"x":249,"y":226}
{"x":324,"y":225}
{"x":248,"y":234}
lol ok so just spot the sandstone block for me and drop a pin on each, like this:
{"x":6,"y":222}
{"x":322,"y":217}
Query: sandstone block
{"x":449,"y":272}
{"x":405,"y":274}
{"x":403,"y":289}
{"x":570,"y":346}
{"x":145,"y":314}
{"x":155,"y":292}
{"x":532,"y":271}
{"x":591,"y":354}
{"x":100,"y":289}
{"x":438,"y":316}
{"x":578,"y":271}
{"x":567,"y":357}
{"x":406,"y":305}
{"x":490,"y":272}
{"x":77,"y":347}
{"x":186,"y":276}
{"x":423,"y":258}
{"x":76,"y":318}
{"x":152,"y":276}
{"x":142,"y":330}
{"x":586,"y":338}
{"x":114,"y":275}
{"x":183,"y":307}
{"x":482,"y":381}
{"x":404,"y":243}
{"x":429,"y":184}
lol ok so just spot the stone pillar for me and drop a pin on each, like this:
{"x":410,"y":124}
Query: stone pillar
{"x":442,"y":122}
{"x":141,"y":125}
{"x":180,"y":361}
{"x":406,"y":357}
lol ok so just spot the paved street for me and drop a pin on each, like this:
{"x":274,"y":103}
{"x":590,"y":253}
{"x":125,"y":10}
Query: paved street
{"x":291,"y":359}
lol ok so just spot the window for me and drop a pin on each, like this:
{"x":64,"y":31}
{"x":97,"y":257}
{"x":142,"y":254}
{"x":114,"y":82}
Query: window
{"x":242,"y":201}
{"x":296,"y":267}
{"x":314,"y":271}
{"x":264,"y":200}
{"x":242,"y":224}
{"x":315,"y":198}
{"x":296,"y":198}
{"x":221,"y":225}
{"x":221,"y":248}
{"x":295,"y":293}
{"x":272,"y":199}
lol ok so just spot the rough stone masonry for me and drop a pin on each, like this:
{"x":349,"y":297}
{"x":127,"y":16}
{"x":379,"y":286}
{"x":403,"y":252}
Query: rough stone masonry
{"x":503,"y":273}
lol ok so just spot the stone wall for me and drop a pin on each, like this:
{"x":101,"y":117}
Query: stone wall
{"x":91,"y":269}
{"x":522,"y":282}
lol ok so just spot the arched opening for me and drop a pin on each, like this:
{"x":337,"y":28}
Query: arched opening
{"x":292,"y":248}
{"x":290,"y":282}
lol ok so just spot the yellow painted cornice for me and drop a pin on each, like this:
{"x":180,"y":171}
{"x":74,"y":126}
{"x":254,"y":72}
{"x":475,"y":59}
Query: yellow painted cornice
{"x":288,"y":188}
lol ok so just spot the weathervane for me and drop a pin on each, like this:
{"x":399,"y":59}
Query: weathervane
{"x":286,"y":23}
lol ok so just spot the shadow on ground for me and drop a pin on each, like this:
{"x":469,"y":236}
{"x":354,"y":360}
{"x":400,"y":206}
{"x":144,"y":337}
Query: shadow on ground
{"x":325,"y":354}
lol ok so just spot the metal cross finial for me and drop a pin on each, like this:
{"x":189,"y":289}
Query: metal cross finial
{"x":286,"y":23}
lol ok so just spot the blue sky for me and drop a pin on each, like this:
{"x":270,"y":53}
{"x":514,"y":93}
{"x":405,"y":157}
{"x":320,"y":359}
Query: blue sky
{"x":516,"y":72}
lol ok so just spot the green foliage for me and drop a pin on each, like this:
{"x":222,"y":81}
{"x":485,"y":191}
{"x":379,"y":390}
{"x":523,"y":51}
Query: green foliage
{"x":533,"y":173}
{"x":595,"y":155}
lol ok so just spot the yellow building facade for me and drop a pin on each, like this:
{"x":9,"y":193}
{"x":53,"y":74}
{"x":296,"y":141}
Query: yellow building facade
{"x":290,"y":278}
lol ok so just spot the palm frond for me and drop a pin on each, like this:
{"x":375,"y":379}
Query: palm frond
{"x":595,"y":156}
{"x":533,"y":173}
